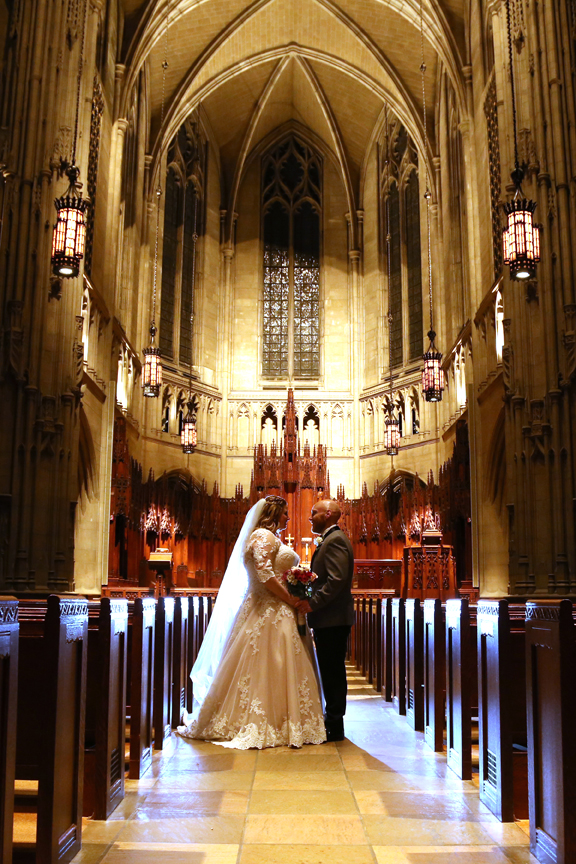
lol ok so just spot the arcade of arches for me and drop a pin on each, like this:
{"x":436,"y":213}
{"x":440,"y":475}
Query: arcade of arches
{"x":287,"y":140}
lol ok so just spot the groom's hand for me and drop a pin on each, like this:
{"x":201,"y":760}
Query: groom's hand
{"x":303,"y":606}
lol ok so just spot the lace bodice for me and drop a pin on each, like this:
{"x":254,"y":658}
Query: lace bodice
{"x":265,"y":691}
{"x":267,"y":556}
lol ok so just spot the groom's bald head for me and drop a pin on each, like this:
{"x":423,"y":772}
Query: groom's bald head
{"x":332,"y":509}
{"x":325,"y":513}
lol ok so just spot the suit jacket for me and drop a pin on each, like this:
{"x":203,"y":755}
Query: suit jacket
{"x":331,"y":601}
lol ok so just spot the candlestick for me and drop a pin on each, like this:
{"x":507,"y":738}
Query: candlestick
{"x":306,"y":562}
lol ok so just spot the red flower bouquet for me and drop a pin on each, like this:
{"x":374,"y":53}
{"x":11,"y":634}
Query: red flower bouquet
{"x":298,"y":582}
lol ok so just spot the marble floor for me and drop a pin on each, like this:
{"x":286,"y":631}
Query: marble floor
{"x":379,"y":797}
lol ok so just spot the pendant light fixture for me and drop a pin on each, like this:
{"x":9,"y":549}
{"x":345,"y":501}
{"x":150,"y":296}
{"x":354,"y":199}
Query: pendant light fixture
{"x":392,"y":433}
{"x":152,"y":371}
{"x":189,"y":433}
{"x":521,"y":237}
{"x":432,"y":372}
{"x":69,"y":235}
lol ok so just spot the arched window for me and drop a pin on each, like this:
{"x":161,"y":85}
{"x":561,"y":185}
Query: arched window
{"x":414,"y":266}
{"x":395,"y":286}
{"x":291,"y":213}
{"x":172,"y":217}
{"x":400,"y":185}
{"x":183,"y":213}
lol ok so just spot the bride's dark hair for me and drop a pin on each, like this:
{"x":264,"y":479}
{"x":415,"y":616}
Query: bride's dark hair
{"x":271,"y":512}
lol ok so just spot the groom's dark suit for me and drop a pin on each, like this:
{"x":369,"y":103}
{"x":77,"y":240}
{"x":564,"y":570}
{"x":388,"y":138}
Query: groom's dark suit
{"x":331,"y":618}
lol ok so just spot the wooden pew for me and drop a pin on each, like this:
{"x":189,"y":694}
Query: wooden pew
{"x":356,"y":642}
{"x":9,"y":628}
{"x":386,"y":648}
{"x":141,"y":632}
{"x":105,"y":706}
{"x":502,"y":709}
{"x":551,"y":710}
{"x":461,"y":684}
{"x":376,"y":642}
{"x":398,"y":661}
{"x":163,"y":660}
{"x":194,"y":613}
{"x":180,"y":669}
{"x":434,"y":674}
{"x":51,"y":713}
{"x":414,"y":623}
{"x":200,"y":610}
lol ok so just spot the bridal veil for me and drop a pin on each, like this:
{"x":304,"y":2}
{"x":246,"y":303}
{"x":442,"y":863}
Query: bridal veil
{"x":230,"y":596}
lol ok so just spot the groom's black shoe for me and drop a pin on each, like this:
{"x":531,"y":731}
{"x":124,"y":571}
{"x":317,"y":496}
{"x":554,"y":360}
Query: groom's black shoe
{"x":334,"y":736}
{"x":335,"y":733}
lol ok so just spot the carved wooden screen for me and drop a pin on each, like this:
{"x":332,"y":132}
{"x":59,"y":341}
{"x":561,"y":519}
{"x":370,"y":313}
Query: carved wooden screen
{"x":291,"y":202}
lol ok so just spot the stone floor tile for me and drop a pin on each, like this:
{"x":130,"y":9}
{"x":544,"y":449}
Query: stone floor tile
{"x":215,"y":780}
{"x":507,"y":833}
{"x":439,"y":855}
{"x":451,"y":807}
{"x":183,"y":828}
{"x":95,"y":831}
{"x":286,"y":801}
{"x":303,"y":854}
{"x":171,"y":853}
{"x":390,"y":831}
{"x":300,"y":780}
{"x":91,"y":853}
{"x":216,"y":760}
{"x":308,"y":830}
{"x":199,"y":803}
{"x":268,"y":760}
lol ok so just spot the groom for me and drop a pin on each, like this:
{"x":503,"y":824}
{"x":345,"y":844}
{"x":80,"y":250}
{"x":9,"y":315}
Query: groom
{"x":331,"y":610}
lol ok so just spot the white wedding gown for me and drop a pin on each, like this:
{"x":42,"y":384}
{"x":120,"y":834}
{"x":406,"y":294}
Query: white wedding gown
{"x":265,"y":692}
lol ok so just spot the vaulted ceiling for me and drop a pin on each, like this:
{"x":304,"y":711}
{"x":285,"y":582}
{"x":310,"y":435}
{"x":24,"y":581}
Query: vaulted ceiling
{"x":328,"y":66}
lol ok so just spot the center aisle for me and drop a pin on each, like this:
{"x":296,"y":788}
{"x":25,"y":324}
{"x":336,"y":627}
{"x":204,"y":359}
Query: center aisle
{"x":380,"y":796}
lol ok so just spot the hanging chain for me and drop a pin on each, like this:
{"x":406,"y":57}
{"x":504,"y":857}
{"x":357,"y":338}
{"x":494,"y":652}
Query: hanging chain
{"x":427,"y":194}
{"x":512,"y":87}
{"x":159,"y":187}
{"x":388,"y":253}
{"x":79,"y":81}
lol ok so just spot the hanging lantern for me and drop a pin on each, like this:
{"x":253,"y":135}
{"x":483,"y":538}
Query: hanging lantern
{"x":69,"y":237}
{"x":432,"y":373}
{"x":521,"y":238}
{"x":152,"y":372}
{"x":392,"y":435}
{"x":189,"y":434}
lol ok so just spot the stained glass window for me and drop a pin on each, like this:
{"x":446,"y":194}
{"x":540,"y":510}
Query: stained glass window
{"x":276,"y":291}
{"x":291,"y":232}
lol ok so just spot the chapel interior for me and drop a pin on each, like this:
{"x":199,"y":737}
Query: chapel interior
{"x":254,"y":247}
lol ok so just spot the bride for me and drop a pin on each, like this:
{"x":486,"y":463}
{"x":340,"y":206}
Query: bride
{"x":255,"y":680}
